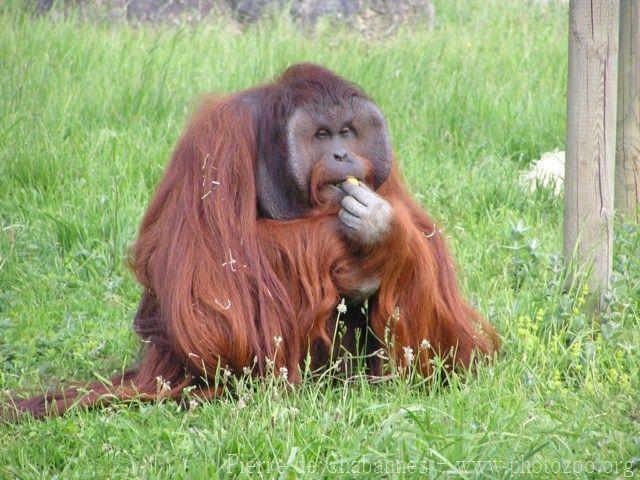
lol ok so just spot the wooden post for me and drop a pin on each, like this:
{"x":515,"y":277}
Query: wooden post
{"x":591,"y":140}
{"x":627,"y":191}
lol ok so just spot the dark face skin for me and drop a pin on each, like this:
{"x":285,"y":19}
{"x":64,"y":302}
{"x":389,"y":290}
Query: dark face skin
{"x":334,"y":138}
{"x":339,"y":138}
{"x":335,"y":144}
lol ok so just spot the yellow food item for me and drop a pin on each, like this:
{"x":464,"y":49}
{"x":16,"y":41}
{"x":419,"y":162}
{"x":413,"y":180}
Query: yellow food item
{"x":352,"y":181}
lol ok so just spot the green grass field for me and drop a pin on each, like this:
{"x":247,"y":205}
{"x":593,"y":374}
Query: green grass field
{"x":88,"y":117}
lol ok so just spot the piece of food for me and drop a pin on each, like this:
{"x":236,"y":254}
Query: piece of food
{"x":352,"y":181}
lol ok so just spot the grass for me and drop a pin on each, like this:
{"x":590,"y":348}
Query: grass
{"x":89,"y":114}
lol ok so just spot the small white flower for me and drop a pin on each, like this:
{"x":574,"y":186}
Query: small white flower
{"x":425,"y":345}
{"x":193,"y":403}
{"x":408,"y":355}
{"x":226,"y":373}
{"x":241,"y":404}
{"x":342,"y":307}
{"x":162,"y":386}
{"x":277,"y":340}
{"x":284,"y":373}
{"x":246,"y":371}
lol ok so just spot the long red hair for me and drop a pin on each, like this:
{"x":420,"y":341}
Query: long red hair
{"x":224,"y":288}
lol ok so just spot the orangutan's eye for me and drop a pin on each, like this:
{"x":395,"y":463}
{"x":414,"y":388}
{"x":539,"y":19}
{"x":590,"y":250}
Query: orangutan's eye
{"x":322,"y":133}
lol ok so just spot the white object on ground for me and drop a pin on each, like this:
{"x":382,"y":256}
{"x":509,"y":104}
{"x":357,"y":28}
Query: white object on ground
{"x":546,"y":172}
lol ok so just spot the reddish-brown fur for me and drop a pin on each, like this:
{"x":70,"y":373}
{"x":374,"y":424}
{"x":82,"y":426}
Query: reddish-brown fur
{"x":220,"y":283}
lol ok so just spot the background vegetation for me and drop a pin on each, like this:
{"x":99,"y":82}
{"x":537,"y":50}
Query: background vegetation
{"x":89,"y":114}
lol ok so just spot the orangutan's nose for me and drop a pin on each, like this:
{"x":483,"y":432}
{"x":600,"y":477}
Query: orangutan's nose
{"x":340,"y":155}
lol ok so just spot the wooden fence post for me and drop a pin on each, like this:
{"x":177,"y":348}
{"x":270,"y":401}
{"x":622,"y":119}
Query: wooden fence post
{"x":591,"y":140}
{"x":627,"y":179}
